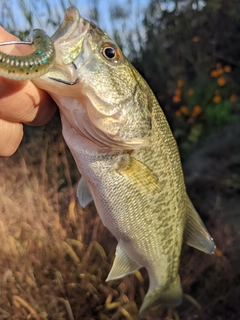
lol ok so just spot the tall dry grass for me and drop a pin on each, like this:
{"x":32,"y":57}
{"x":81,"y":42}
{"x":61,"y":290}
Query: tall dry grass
{"x":53,"y":263}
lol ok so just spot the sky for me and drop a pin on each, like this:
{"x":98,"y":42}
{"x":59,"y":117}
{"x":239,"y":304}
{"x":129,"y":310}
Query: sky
{"x":15,"y":8}
{"x":40,"y":12}
{"x":12,"y":12}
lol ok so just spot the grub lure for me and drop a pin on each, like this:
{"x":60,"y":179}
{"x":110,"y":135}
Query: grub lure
{"x":32,"y":65}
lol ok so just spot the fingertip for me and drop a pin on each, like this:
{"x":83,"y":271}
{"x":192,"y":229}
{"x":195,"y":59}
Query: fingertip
{"x":11,"y":136}
{"x":6,"y":36}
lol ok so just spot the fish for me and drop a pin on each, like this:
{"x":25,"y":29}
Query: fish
{"x":127,"y":156}
{"x":32,"y":65}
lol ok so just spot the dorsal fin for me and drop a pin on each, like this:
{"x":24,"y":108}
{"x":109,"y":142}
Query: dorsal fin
{"x":195,"y":233}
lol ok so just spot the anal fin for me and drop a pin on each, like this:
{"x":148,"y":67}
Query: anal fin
{"x":122,"y":265}
{"x":195,"y":233}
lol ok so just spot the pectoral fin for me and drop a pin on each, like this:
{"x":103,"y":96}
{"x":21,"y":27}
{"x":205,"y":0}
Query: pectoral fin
{"x":195,"y":233}
{"x":122,"y":265}
{"x":137,"y":172}
{"x":83,"y":194}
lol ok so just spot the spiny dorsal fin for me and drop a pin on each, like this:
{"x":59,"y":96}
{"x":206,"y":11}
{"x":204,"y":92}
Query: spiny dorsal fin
{"x":195,"y":233}
{"x":83,"y":194}
{"x":122,"y":265}
{"x":171,"y":297}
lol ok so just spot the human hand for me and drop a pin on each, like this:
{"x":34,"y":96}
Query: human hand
{"x":20,"y":102}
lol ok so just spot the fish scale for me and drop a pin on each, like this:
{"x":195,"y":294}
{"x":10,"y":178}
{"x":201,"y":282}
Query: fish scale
{"x":127,"y":155}
{"x":116,"y":196}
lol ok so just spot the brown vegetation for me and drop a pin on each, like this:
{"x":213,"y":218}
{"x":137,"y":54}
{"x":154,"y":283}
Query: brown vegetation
{"x":53,"y":264}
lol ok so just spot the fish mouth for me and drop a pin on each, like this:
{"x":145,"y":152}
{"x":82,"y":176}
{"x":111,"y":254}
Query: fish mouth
{"x":69,"y":37}
{"x":73,"y":25}
{"x":68,"y":43}
{"x":71,"y":22}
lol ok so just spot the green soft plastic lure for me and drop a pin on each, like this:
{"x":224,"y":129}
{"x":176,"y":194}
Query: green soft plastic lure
{"x":32,"y":65}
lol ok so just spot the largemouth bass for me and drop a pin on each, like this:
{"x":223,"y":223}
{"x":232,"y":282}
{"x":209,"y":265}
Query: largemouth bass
{"x":127,"y":156}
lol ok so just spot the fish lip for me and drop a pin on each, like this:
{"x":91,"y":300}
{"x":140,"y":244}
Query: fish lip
{"x":73,"y":25}
{"x":69,"y":37}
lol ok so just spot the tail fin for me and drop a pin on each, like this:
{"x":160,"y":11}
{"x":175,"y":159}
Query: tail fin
{"x":170,"y":297}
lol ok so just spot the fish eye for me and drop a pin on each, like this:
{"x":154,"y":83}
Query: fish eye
{"x":110,"y":52}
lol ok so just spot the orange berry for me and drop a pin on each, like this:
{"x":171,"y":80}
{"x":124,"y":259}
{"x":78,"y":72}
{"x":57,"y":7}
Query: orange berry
{"x":214,"y":73}
{"x":196,"y":111}
{"x":233,"y":98}
{"x":191,"y":120}
{"x":217,"y":99}
{"x":176,"y":99}
{"x":177,"y":92}
{"x":221,"y":81}
{"x":190,"y":92}
{"x":218,"y":252}
{"x":195,"y":39}
{"x":178,"y":113}
{"x":180,"y":83}
{"x":227,"y":69}
{"x":184,"y":110}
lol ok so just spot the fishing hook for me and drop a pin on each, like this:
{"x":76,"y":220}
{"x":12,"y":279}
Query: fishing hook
{"x":67,"y":82}
{"x":15,"y":42}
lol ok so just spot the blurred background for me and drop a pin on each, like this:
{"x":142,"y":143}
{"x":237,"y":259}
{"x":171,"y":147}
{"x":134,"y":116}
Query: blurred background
{"x":55,"y":256}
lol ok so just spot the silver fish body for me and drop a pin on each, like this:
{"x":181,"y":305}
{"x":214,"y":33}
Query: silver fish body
{"x":127,"y":155}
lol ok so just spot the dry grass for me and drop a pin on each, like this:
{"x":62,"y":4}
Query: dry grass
{"x":53,"y":264}
{"x":55,"y":256}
